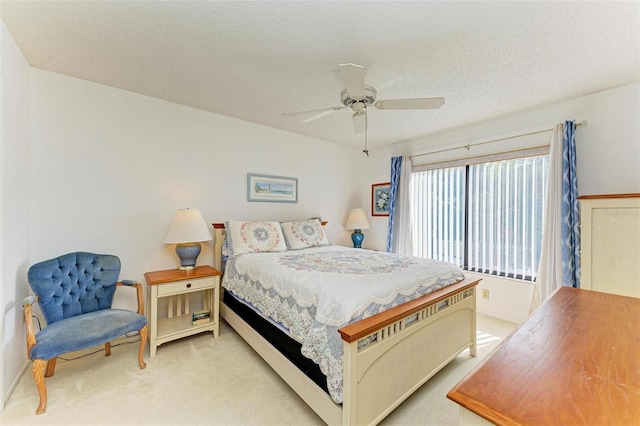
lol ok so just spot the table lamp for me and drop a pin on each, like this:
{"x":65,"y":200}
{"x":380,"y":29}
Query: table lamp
{"x":357,"y":221}
{"x":187,"y":230}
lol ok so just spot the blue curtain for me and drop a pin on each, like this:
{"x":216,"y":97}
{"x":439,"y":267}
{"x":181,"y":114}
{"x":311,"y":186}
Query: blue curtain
{"x":570,"y":209}
{"x":396,"y":166}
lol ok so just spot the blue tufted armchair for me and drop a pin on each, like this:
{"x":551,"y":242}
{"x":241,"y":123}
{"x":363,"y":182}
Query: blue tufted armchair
{"x":75,"y":292}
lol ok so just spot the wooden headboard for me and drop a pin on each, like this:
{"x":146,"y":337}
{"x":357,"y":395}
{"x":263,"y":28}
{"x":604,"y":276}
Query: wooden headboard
{"x":219,"y":233}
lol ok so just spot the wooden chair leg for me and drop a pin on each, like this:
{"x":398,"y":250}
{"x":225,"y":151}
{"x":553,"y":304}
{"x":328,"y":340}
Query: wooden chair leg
{"x":143,"y":343}
{"x":107,"y":349}
{"x":51,"y":367}
{"x":38,"y":368}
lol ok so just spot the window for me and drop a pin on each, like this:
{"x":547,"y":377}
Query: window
{"x":485,"y":217}
{"x":438,"y":201}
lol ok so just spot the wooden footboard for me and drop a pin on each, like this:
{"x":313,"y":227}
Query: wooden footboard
{"x":411,"y":343}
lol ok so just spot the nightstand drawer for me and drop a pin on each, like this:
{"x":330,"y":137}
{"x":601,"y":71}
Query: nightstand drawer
{"x":186,"y":286}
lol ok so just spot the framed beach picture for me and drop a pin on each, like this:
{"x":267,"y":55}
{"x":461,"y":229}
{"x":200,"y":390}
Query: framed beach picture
{"x":380,"y":197}
{"x":274,"y":189}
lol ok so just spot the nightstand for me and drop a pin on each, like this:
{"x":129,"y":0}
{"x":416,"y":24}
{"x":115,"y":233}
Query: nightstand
{"x":177,"y":287}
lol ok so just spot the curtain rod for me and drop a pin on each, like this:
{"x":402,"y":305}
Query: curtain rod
{"x":469,"y":145}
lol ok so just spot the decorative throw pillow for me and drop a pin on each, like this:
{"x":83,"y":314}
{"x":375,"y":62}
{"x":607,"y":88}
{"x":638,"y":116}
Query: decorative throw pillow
{"x":303,"y":234}
{"x":254,"y":236}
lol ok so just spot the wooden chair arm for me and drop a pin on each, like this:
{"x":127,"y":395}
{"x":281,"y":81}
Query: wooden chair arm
{"x":138,"y":286}
{"x":27,"y":313}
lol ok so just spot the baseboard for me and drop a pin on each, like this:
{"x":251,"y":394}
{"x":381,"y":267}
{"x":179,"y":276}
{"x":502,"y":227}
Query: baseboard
{"x":133,"y":338}
{"x":15,"y":382}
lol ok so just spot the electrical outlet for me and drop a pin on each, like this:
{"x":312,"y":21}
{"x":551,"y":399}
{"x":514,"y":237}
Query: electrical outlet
{"x":485,"y":293}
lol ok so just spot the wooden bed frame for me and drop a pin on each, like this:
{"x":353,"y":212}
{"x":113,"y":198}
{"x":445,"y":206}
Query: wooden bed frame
{"x":382,"y":374}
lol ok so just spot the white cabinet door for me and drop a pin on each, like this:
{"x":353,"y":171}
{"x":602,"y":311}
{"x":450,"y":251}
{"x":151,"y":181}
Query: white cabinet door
{"x":610,"y":240}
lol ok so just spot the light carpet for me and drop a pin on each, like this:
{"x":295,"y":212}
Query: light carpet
{"x":204,"y":381}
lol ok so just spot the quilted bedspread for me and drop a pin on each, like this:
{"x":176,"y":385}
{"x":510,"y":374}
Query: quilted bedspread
{"x":313,"y":292}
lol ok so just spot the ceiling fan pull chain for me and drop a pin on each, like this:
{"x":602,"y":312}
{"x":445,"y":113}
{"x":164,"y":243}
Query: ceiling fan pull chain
{"x":366,"y":131}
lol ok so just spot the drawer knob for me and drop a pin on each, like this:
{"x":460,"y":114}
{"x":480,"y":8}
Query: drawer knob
{"x":189,"y":285}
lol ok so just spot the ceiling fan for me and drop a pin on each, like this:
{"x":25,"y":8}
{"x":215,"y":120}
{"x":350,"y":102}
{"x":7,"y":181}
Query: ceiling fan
{"x":358,"y":96}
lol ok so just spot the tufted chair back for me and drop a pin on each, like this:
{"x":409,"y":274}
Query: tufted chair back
{"x":74,"y":284}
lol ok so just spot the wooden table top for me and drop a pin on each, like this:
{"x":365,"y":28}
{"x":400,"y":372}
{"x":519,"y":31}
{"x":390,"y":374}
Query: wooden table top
{"x":575,"y":361}
{"x":171,"y":275}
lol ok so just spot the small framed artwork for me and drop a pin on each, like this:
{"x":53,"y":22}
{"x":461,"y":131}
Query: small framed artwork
{"x":274,"y":189}
{"x":380,"y":197}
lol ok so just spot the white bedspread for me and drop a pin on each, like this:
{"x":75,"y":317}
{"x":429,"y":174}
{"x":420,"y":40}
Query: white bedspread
{"x":313,"y":292}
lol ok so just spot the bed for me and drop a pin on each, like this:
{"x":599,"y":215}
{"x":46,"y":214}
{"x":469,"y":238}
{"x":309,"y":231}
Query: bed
{"x":373,"y":349}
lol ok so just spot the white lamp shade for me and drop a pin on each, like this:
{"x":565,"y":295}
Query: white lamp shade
{"x":188,"y":226}
{"x":357,"y":220}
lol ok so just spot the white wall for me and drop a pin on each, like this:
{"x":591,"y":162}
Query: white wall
{"x":14,"y":208}
{"x":110,"y":168}
{"x":608,"y":158}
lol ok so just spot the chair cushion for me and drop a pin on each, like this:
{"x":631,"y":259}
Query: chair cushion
{"x":84,"y":331}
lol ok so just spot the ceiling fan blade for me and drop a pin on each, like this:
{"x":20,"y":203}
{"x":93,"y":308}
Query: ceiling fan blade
{"x":360,"y":121}
{"x":313,"y":114}
{"x":353,"y":77}
{"x":415,"y":103}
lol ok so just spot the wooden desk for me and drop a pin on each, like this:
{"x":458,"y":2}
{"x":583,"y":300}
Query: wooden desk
{"x":575,"y":361}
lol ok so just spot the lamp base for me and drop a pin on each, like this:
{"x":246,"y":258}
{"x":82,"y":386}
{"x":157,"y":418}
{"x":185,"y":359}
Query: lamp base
{"x":186,"y":268}
{"x":357,"y":237}
{"x":188,"y":253}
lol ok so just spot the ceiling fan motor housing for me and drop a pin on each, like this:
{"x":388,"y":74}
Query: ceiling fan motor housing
{"x":358,"y":105}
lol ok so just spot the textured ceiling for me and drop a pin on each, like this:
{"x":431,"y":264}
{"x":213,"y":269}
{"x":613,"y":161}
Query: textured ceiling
{"x":257,"y":60}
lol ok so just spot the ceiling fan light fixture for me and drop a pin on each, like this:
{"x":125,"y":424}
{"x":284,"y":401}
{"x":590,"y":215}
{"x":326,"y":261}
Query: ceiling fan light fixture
{"x":358,"y":107}
{"x":370,"y":96}
{"x":359,"y":121}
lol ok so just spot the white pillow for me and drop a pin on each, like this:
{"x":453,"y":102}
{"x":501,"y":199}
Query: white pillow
{"x":255,"y":236}
{"x":304,"y":233}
